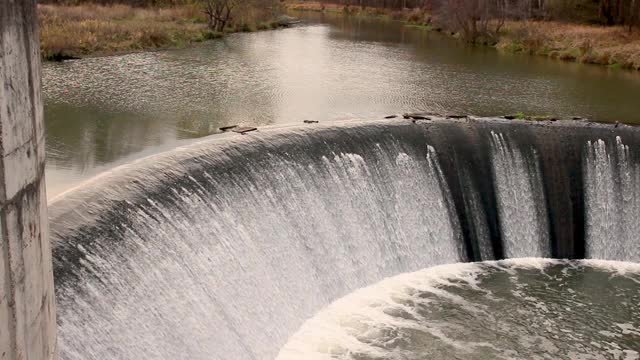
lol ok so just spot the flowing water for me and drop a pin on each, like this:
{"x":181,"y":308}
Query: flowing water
{"x":106,"y":111}
{"x":521,"y":205}
{"x":278,"y":243}
{"x":514,"y":309}
{"x":238,"y":246}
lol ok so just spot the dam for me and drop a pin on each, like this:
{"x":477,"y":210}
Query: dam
{"x":433,"y":237}
{"x":248,"y":246}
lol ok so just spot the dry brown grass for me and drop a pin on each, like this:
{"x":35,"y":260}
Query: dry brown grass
{"x":119,"y":12}
{"x":76,"y":31}
{"x":613,"y":46}
{"x":314,"y":6}
{"x":413,"y":16}
{"x":90,"y":29}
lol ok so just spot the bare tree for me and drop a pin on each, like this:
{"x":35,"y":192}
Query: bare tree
{"x":634,"y":14}
{"x":475,"y":19}
{"x":219,"y":13}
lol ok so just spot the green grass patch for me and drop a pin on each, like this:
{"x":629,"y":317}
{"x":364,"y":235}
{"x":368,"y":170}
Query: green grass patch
{"x":425,"y":27}
{"x":247,"y":28}
{"x":267,"y":26}
{"x":529,"y":117}
{"x":519,"y":116}
{"x":210,"y":35}
{"x":514,"y":47}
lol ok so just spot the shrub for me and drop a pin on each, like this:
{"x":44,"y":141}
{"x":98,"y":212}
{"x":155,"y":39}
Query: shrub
{"x":210,"y":35}
{"x":246,"y":28}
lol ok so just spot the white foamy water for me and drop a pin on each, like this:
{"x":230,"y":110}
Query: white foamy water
{"x":513,"y":309}
{"x":521,"y":205}
{"x":222,"y":250}
{"x":238,"y":253}
{"x":612,"y":192}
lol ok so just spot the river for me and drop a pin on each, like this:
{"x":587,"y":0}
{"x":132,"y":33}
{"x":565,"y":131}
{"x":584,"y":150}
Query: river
{"x":106,"y":111}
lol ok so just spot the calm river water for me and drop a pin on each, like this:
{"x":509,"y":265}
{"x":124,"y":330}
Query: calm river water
{"x":102,"y":112}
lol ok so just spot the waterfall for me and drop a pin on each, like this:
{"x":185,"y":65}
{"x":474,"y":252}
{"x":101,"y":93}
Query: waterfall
{"x":477,"y":215}
{"x":271,"y":245}
{"x":222,"y":249}
{"x":612,"y":201}
{"x":521,"y":204}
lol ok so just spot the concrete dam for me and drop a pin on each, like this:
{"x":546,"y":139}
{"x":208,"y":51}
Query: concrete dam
{"x":442,"y":238}
{"x":224,"y":248}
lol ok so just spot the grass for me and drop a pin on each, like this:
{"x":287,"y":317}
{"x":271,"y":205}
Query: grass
{"x":530,"y":117}
{"x":315,"y":6}
{"x":519,"y":115}
{"x":426,"y":27}
{"x":612,"y":46}
{"x":90,"y":29}
{"x":417,"y":17}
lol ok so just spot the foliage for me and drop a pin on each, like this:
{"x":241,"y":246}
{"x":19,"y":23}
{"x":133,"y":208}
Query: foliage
{"x":569,"y":30}
{"x":573,"y":42}
{"x":477,"y":18}
{"x":244,"y":15}
{"x":72,"y":31}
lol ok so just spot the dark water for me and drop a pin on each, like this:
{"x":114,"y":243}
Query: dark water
{"x":522,"y":309}
{"x":107,"y":111}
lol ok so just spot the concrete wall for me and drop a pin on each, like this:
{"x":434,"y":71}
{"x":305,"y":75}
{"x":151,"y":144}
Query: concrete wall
{"x":27,"y":310}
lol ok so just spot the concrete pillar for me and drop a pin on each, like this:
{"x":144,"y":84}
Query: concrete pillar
{"x":27,"y":310}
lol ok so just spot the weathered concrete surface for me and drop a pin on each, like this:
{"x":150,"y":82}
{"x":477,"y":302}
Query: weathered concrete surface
{"x":27,"y":311}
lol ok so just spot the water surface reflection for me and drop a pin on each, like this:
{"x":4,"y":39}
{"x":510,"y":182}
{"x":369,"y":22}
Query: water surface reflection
{"x":105,"y":111}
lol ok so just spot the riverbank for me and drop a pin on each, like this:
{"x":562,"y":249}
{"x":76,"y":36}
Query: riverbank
{"x":609,"y":46}
{"x":416,"y":17}
{"x":612,"y":46}
{"x":93,"y":30}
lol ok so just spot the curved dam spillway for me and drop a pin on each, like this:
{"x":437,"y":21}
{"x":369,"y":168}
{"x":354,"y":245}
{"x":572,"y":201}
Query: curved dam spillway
{"x":224,"y":248}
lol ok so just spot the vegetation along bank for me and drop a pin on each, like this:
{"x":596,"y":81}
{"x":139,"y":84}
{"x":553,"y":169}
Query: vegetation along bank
{"x":74,"y":29}
{"x":605,"y":32}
